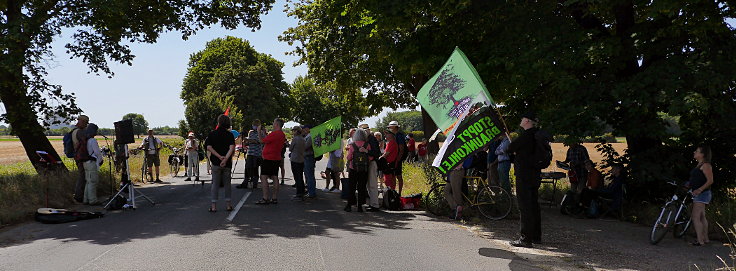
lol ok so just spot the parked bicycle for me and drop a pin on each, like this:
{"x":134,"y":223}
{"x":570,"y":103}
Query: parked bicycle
{"x":493,"y":202}
{"x":176,"y":160}
{"x":675,"y":215}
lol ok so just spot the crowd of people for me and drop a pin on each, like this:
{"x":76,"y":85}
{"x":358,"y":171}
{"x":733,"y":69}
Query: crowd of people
{"x":373,"y":157}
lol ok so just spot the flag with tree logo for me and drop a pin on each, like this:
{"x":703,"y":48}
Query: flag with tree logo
{"x":452,"y":91}
{"x":326,"y":137}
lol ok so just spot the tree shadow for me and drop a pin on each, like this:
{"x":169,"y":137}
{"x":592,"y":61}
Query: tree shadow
{"x":517,"y":262}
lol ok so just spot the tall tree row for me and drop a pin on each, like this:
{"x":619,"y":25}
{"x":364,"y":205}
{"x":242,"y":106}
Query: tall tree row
{"x":100,"y":31}
{"x":581,"y":65}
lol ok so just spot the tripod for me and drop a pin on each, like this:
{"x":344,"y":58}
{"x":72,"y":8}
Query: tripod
{"x":127,"y":184}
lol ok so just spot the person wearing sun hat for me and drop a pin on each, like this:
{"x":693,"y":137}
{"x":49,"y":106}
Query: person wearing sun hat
{"x":393,"y":127}
{"x":191,"y":145}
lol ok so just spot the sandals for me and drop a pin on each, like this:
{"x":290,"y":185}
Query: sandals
{"x":263,"y":202}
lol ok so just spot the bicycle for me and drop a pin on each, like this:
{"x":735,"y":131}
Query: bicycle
{"x":493,"y":202}
{"x":675,"y":214}
{"x":175,"y":161}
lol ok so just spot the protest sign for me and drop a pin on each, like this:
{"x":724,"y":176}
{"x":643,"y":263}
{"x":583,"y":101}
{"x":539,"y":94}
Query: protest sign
{"x":452,"y":91}
{"x":326,"y":137}
{"x":474,"y":132}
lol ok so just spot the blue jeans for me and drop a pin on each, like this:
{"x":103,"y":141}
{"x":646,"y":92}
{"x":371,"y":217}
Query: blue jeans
{"x":503,"y":175}
{"x":309,"y":175}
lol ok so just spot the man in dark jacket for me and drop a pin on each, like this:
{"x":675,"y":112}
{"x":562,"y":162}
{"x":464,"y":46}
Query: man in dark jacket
{"x":528,"y":180}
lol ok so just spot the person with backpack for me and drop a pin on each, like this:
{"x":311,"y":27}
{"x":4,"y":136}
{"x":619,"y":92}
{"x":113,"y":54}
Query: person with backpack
{"x":152,"y":146}
{"x":532,"y":153}
{"x":71,"y":142}
{"x":90,"y":154}
{"x":359,"y":163}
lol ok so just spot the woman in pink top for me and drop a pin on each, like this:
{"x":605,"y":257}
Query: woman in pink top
{"x":358,"y":177}
{"x":390,"y":154}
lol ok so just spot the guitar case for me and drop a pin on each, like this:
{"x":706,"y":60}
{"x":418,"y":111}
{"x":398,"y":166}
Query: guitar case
{"x":56,"y":216}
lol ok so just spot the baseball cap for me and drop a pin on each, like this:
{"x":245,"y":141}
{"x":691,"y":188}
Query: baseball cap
{"x":530,"y":115}
{"x":393,"y":123}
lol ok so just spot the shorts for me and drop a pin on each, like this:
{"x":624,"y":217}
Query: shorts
{"x":270,"y":167}
{"x":152,"y":159}
{"x":704,"y":197}
{"x":397,"y":168}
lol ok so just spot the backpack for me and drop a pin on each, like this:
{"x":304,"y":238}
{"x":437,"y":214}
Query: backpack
{"x":82,"y":154}
{"x":391,"y":200}
{"x":542,"y":151}
{"x":360,"y":160}
{"x":69,"y":144}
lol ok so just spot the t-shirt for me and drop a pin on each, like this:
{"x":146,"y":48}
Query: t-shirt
{"x":392,"y":147}
{"x":220,"y":140}
{"x":93,"y":149}
{"x":273,"y":144}
{"x":152,"y":145}
{"x":254,"y":149}
{"x":422,"y":149}
{"x":412,"y":145}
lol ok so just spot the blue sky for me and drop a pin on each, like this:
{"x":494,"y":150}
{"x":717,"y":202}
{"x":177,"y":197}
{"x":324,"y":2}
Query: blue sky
{"x":151,"y":86}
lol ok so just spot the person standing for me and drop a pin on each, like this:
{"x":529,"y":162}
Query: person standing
{"x":358,"y":164}
{"x":492,"y":161}
{"x":374,"y":153}
{"x":577,"y":155}
{"x":253,"y":157}
{"x":296,"y":156}
{"x":272,"y":145}
{"x":92,"y":157}
{"x":391,"y":154}
{"x":400,"y":138}
{"x":309,"y":163}
{"x":192,"y":149}
{"x":454,"y":192}
{"x":283,"y":155}
{"x":411,"y":148}
{"x":701,"y":179}
{"x":504,"y":164}
{"x":78,"y":136}
{"x":221,"y":145}
{"x":333,"y":170}
{"x":528,"y":180}
{"x":422,"y":150}
{"x":152,"y":146}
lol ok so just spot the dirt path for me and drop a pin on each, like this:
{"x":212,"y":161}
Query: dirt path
{"x":602,"y":244}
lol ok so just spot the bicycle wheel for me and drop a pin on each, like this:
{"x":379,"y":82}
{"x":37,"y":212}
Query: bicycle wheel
{"x":682,"y":224}
{"x":663,"y":224}
{"x":493,"y":202}
{"x":434,"y":201}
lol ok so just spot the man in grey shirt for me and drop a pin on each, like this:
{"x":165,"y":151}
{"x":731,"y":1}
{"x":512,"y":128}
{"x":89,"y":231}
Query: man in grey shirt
{"x":309,"y":163}
{"x":296,"y":155}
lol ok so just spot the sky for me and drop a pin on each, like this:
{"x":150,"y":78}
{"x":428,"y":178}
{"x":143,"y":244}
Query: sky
{"x":151,"y":86}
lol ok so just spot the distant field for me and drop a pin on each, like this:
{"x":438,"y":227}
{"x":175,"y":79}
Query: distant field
{"x":11,"y":149}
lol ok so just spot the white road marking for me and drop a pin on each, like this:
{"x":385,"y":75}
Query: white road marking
{"x":98,"y":257}
{"x":237,"y":208}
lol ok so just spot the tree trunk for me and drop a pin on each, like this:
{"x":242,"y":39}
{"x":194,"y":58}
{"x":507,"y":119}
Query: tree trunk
{"x":429,"y":128}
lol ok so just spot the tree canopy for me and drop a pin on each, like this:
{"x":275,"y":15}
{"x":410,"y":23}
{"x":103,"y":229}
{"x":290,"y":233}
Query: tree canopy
{"x":102,"y":31}
{"x":140,"y":124}
{"x":202,"y":112}
{"x":409,"y":121}
{"x":581,"y":65}
{"x":231,"y":67}
{"x":313,"y":103}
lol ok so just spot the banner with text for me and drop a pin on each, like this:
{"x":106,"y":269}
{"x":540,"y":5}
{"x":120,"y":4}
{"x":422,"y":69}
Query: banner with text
{"x":452,"y":91}
{"x":473,"y":133}
{"x":326,"y":137}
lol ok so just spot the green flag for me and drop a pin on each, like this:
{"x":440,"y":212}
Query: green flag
{"x":452,"y":91}
{"x":327,"y":136}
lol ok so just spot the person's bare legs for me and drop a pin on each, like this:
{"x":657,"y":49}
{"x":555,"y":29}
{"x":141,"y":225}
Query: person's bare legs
{"x":264,"y":187}
{"x":283,"y":173}
{"x":400,"y":179}
{"x":275,"y":190}
{"x":698,"y":215}
{"x":328,"y":176}
{"x":157,"y":170}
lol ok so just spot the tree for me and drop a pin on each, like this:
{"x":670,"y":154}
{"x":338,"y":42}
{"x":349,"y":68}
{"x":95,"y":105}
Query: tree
{"x":101,"y":31}
{"x":202,"y":112}
{"x":140,"y":125}
{"x":232,"y":67}
{"x":409,"y":121}
{"x":581,"y":65}
{"x":314,"y":103}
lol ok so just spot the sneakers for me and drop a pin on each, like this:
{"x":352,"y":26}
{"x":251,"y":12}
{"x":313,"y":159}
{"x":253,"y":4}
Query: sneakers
{"x":334,"y":190}
{"x":521,"y":243}
{"x":188,"y":179}
{"x":372,"y":209}
{"x":326,"y":190}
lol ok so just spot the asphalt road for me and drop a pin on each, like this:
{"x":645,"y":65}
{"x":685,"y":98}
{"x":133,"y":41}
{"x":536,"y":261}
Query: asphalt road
{"x":179,"y":234}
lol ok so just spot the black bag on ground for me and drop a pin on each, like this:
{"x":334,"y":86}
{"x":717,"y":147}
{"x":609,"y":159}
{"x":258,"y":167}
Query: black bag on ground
{"x":391,"y":200}
{"x":117,"y":203}
{"x":56,"y":216}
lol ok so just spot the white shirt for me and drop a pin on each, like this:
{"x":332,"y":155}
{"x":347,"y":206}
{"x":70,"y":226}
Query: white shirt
{"x":190,"y":143}
{"x":152,"y":144}
{"x":93,"y":149}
